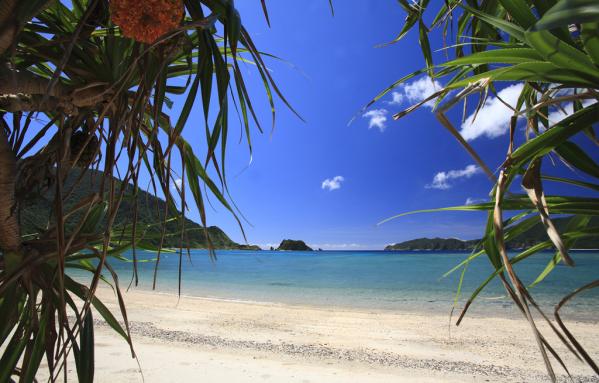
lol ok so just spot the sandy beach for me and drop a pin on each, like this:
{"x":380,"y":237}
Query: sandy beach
{"x":208,"y":340}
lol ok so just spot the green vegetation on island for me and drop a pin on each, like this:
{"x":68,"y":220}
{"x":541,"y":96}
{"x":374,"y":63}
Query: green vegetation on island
{"x":535,"y":235}
{"x":150,"y":215}
{"x":432,"y":244}
{"x":293,"y":245}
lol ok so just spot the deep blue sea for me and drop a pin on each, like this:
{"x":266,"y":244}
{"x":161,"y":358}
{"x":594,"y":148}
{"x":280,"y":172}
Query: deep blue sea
{"x":370,"y":280}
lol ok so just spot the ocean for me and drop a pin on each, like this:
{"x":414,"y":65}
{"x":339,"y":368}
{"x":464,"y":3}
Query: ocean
{"x":367,"y":280}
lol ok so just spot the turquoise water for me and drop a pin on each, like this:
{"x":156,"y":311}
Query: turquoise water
{"x":408,"y":281}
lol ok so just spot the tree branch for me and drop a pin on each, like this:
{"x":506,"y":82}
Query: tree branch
{"x":22,"y":91}
{"x":10,"y":236}
{"x":14,"y":82}
{"x":33,"y":103}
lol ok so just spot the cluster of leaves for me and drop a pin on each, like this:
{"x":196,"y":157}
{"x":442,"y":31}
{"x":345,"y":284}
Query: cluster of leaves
{"x":552,"y":48}
{"x":106,"y":100}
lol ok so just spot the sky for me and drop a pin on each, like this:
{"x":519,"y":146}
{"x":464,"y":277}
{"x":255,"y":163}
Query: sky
{"x":329,"y":182}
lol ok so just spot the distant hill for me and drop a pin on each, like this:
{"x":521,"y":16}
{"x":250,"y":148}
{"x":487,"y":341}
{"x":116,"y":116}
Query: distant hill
{"x":293,"y":245}
{"x":150,"y":211}
{"x":433,"y":244}
{"x":530,"y":238}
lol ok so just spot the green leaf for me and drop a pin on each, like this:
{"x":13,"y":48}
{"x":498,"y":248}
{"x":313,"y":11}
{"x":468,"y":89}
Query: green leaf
{"x":38,"y":349}
{"x":510,"y":232}
{"x":265,"y":11}
{"x":554,"y":261}
{"x":82,"y":292}
{"x":572,"y":182}
{"x":520,"y":11}
{"x":578,"y":158}
{"x":555,"y":136}
{"x":567,"y":12}
{"x":464,"y":263}
{"x":13,"y":351}
{"x":411,"y":19}
{"x":425,"y":46}
{"x":576,"y":223}
{"x":510,"y":28}
{"x":587,"y":232}
{"x":557,"y":204}
{"x":530,"y":71}
{"x":562,"y":54}
{"x":189,"y":102}
{"x":9,"y":310}
{"x":94,"y":218}
{"x":84,"y":353}
{"x":495,"y":56}
{"x":520,"y":257}
{"x":590,"y":40}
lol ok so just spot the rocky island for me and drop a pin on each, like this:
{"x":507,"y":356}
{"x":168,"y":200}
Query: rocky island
{"x":293,"y":245}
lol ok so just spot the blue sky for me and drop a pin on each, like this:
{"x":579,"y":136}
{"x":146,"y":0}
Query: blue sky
{"x":328,"y":182}
{"x":335,"y":70}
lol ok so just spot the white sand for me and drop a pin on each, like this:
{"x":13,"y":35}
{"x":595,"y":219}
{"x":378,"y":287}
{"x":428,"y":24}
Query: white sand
{"x":207,"y":340}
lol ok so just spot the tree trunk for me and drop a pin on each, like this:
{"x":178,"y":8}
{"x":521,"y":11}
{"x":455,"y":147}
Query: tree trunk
{"x":10,"y":236}
{"x":8,"y":24}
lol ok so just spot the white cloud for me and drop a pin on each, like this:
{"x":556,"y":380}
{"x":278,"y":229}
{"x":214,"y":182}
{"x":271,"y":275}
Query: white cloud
{"x":558,"y":114}
{"x":420,"y":89}
{"x":442,"y":180}
{"x":415,"y":91}
{"x":177,"y":184}
{"x":493,"y":119}
{"x":472,"y":201}
{"x":412,"y":92}
{"x":332,"y":183}
{"x":396,"y":98}
{"x":377,"y":118}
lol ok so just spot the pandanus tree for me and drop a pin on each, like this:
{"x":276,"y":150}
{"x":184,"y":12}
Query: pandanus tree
{"x":89,"y":84}
{"x":551,"y":48}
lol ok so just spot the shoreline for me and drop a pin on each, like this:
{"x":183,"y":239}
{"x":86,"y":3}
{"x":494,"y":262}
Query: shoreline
{"x":216,"y":340}
{"x":482,"y":307}
{"x":176,"y":250}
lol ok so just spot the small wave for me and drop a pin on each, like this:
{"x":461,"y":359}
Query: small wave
{"x":280,"y":284}
{"x":495,"y":298}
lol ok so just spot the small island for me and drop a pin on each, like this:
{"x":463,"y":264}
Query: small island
{"x":293,"y":245}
